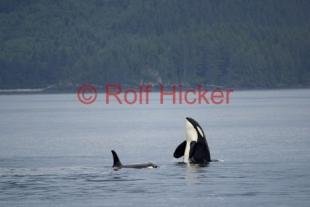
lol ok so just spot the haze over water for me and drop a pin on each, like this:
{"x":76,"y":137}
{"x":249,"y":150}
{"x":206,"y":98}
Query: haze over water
{"x":56,"y":151}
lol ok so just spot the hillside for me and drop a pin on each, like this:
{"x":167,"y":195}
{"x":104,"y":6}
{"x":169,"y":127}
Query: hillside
{"x":241,"y":44}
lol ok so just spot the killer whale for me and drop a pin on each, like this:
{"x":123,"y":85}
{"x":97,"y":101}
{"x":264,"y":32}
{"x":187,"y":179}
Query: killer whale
{"x":195,"y":148}
{"x":118,"y":165}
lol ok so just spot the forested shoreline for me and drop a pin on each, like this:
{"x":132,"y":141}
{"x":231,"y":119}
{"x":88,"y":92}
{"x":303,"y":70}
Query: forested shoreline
{"x":238,"y":44}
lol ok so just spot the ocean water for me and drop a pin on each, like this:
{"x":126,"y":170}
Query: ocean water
{"x":55,"y":151}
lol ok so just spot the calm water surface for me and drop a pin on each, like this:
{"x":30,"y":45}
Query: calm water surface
{"x":55,"y":151}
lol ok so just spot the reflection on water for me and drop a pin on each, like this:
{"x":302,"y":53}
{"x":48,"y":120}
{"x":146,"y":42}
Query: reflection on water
{"x":195,"y":173}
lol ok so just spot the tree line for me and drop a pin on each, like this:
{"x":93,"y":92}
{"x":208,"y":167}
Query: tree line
{"x":239,"y":43}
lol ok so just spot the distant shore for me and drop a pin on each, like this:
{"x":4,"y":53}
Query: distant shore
{"x":155,"y":88}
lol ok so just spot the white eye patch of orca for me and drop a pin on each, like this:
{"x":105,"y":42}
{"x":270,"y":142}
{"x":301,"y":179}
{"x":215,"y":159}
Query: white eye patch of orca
{"x":200,"y":131}
{"x":190,"y":132}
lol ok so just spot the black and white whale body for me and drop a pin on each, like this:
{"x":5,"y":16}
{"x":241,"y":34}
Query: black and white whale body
{"x":118,"y":165}
{"x":195,"y":148}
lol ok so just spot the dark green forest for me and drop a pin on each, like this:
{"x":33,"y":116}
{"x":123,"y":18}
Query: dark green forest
{"x":231,"y":43}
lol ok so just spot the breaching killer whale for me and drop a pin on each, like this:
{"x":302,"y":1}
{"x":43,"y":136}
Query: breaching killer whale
{"x":118,"y":165}
{"x":195,"y":148}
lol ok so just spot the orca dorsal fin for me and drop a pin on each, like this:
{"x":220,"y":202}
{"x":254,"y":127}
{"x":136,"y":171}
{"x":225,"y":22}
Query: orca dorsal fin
{"x":179,"y":151}
{"x":116,"y":161}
